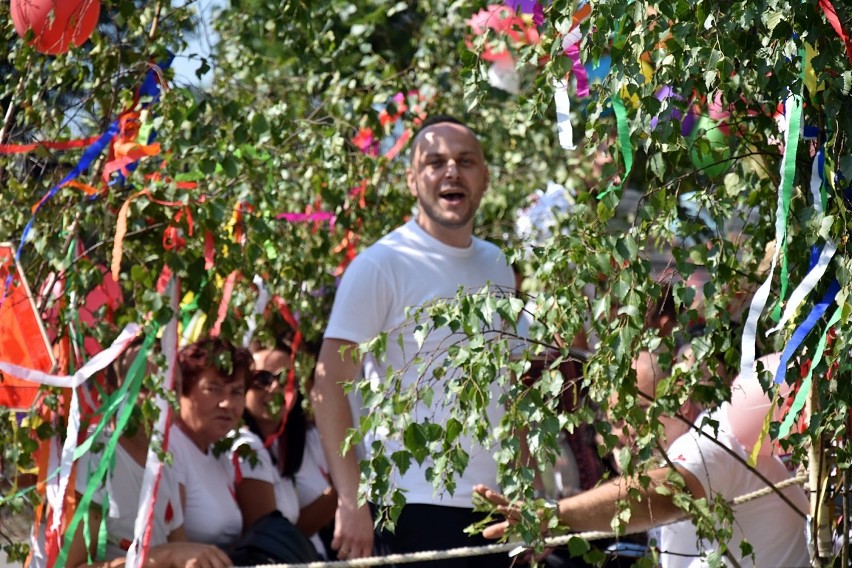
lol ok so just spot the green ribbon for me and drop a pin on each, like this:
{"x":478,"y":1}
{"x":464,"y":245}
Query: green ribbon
{"x":793,"y":128}
{"x":625,"y":146}
{"x":127,"y":394}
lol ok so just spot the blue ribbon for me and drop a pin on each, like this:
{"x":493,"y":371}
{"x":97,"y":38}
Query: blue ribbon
{"x":89,"y":156}
{"x":150,"y":88}
{"x":804,"y":329}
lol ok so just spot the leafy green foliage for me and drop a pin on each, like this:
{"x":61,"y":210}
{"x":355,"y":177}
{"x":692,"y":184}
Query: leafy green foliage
{"x":273,"y":133}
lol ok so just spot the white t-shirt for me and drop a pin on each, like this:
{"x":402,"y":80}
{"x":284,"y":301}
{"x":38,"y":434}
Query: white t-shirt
{"x":775,"y":532}
{"x":312,"y":478}
{"x":123,"y":488}
{"x":211,"y":514}
{"x":407,"y":268}
{"x":263,"y":469}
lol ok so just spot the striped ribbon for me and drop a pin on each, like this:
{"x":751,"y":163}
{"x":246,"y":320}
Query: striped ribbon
{"x":793,"y":112}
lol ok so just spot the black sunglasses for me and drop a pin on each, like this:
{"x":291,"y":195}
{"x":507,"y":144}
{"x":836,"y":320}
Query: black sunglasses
{"x":263,"y":379}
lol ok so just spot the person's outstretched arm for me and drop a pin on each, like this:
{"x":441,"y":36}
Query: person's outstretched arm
{"x":353,"y":531}
{"x":594,"y":510}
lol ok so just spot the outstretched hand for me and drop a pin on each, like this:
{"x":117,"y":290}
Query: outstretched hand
{"x":511,"y":513}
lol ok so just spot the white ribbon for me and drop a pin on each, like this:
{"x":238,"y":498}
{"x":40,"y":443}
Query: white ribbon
{"x":263,"y":298}
{"x":816,"y":183}
{"x":138,"y":551}
{"x":563,"y":115}
{"x":84,"y":373}
{"x":56,"y":491}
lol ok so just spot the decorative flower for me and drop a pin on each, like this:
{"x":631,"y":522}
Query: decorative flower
{"x":366,"y":142}
{"x":532,"y":7}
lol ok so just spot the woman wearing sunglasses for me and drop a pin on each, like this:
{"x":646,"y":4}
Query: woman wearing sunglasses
{"x":263,"y":482}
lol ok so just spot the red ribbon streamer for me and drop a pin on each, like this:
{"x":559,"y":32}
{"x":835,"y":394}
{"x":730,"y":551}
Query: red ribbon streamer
{"x":831,"y":14}
{"x":223,"y":305}
{"x":24,"y":148}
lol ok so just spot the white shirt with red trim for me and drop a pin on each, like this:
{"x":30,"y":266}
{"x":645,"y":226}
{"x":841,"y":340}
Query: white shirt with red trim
{"x":211,"y":514}
{"x":122,"y":488}
{"x":262,"y":469}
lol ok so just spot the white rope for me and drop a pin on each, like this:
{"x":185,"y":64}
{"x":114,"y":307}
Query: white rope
{"x":468,"y":551}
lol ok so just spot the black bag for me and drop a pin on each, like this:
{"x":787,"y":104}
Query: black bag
{"x":272,"y":539}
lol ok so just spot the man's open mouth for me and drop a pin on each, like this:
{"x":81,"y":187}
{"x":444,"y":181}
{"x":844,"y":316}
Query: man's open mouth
{"x":452,"y":196}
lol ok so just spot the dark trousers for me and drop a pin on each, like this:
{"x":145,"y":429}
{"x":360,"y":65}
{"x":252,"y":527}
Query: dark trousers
{"x":432,"y":527}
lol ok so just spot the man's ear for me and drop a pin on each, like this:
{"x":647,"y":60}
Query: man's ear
{"x":690,"y":410}
{"x":412,"y":182}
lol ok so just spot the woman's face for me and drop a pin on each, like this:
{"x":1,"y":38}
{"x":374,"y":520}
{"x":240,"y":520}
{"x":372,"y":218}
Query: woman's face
{"x":212,"y":408}
{"x":264,"y":397}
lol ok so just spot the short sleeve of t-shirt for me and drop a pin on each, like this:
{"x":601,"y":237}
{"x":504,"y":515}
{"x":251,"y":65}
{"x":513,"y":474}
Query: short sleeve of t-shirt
{"x":311,"y":479}
{"x":259,"y":466}
{"x":361,"y":302}
{"x":705,"y":460}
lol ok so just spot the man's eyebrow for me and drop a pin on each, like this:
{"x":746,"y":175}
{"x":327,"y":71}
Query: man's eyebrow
{"x":433,"y":153}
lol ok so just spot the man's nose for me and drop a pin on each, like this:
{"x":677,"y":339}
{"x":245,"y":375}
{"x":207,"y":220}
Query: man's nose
{"x":452,"y":169}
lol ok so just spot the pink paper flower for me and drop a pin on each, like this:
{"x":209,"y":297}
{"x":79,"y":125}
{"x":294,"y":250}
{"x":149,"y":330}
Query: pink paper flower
{"x":366,"y":142}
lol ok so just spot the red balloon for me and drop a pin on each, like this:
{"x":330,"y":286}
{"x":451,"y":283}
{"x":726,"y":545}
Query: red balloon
{"x":56,"y":23}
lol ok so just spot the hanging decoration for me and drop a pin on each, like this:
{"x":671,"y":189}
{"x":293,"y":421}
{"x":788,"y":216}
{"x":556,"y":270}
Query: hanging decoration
{"x":55,"y":24}
{"x":24,"y":339}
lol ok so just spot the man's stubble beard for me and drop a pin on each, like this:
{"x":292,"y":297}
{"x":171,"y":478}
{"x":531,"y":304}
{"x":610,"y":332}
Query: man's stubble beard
{"x":433,"y":213}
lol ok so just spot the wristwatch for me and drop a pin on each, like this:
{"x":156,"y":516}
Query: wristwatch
{"x":551,"y":510}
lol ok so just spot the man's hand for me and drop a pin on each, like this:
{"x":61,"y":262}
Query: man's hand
{"x":511,"y":513}
{"x":353,"y":532}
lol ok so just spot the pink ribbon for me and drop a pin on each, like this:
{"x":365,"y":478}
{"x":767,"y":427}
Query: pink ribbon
{"x":305,"y":217}
{"x":573,"y":53}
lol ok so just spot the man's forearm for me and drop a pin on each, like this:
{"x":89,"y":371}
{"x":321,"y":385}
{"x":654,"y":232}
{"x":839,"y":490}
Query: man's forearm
{"x":594,"y":510}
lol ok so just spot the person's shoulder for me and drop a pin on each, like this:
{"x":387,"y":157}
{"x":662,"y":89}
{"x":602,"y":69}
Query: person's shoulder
{"x":402,"y":235}
{"x":386,"y":249}
{"x":245,"y":437}
{"x":486,"y":247}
